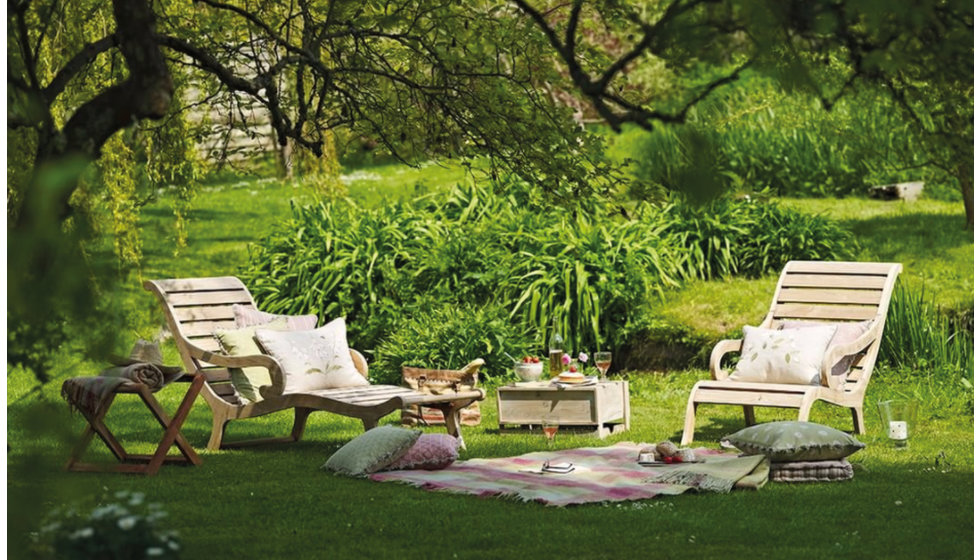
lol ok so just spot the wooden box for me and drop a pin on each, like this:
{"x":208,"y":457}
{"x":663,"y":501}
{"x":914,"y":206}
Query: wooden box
{"x":603,"y":408}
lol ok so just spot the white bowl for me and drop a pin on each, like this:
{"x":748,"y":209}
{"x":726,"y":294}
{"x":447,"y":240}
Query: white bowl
{"x":529,"y":372}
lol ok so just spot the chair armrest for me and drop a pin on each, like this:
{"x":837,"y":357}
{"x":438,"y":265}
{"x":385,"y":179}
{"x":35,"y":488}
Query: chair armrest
{"x":259,"y":360}
{"x":719,"y":351}
{"x":360,"y":362}
{"x":835,"y":353}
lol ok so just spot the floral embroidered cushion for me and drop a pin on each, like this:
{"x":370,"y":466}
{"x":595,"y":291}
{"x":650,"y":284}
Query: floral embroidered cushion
{"x":783,"y":356}
{"x":312,"y":360}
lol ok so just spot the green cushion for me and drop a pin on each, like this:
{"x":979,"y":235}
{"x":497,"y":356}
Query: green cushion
{"x":372,"y":451}
{"x":793,"y":441}
{"x":241,"y":342}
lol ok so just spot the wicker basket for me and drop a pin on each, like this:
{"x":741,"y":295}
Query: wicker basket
{"x":439,"y":382}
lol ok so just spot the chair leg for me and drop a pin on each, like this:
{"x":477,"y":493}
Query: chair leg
{"x":857,"y":414}
{"x":692,"y":408}
{"x":749,"y":413}
{"x":299,"y":422}
{"x":453,"y":423}
{"x":217,"y":433}
{"x":369,"y":423}
{"x":805,"y":409}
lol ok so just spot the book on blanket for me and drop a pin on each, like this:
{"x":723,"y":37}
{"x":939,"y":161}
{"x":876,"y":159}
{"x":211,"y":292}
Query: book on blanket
{"x":559,"y":468}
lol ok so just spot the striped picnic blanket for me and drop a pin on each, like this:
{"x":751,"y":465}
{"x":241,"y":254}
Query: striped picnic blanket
{"x":602,"y":474}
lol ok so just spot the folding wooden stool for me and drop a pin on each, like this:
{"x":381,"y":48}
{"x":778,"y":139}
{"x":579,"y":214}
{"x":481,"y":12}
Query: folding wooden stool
{"x":134,"y":463}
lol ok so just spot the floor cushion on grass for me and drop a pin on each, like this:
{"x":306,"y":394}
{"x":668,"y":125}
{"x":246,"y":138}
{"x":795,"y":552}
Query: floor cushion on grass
{"x":601,"y":474}
{"x":431,"y":452}
{"x":793,"y":441}
{"x":372,"y":451}
{"x":811,"y":471}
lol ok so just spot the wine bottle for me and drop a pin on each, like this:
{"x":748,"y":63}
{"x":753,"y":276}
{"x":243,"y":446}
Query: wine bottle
{"x":556,"y":347}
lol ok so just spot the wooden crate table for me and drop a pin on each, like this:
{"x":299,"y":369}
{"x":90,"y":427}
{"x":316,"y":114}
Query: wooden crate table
{"x":603,"y":408}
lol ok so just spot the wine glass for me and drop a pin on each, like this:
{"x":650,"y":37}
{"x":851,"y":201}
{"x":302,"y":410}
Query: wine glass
{"x":549,"y":425}
{"x":602,"y":362}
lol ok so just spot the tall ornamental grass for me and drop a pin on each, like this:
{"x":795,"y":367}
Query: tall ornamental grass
{"x":921,"y":337}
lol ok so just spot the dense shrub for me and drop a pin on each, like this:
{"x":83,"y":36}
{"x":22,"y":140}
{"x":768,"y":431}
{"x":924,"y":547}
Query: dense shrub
{"x":758,"y":138}
{"x":448,"y":336}
{"x":751,"y":238}
{"x":471,"y":247}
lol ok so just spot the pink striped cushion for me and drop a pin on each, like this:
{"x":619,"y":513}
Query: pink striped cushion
{"x":431,"y":452}
{"x":252,"y":317}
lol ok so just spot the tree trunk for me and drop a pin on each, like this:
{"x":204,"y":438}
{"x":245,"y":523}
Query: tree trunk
{"x":965,"y":176}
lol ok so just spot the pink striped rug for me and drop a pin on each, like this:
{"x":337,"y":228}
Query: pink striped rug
{"x":602,"y":474}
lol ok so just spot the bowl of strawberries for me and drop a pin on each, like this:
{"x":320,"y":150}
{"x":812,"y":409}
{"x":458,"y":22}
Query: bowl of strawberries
{"x":529,"y":368}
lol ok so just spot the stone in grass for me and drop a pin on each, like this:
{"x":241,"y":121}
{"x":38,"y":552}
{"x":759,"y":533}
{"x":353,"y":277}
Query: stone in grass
{"x":905,"y":191}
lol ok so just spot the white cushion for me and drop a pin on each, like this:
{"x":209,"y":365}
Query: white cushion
{"x":783,"y":356}
{"x":311,"y":360}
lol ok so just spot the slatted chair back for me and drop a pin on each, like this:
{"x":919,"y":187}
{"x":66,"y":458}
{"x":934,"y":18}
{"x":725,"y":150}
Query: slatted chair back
{"x":837,"y":292}
{"x":195,"y":308}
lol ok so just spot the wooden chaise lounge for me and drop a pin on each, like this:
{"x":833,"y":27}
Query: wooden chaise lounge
{"x":832,"y":292}
{"x":195,"y":307}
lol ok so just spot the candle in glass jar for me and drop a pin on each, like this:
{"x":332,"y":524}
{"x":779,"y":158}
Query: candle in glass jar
{"x":898,"y":430}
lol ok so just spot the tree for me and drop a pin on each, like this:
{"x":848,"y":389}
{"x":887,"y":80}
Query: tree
{"x":921,"y":54}
{"x":423,"y":77}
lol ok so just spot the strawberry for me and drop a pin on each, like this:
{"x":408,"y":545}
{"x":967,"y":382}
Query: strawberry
{"x":527,"y":359}
{"x":572,"y":369}
{"x":535,"y":360}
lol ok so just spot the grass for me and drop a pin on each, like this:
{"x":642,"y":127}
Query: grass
{"x":927,"y":237}
{"x":275,"y":502}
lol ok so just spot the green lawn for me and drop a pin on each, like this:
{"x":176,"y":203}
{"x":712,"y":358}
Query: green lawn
{"x":275,"y":501}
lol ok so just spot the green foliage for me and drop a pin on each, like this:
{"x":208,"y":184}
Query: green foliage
{"x":751,"y":238}
{"x":758,"y":138}
{"x":448,"y":336}
{"x":586,"y":270}
{"x":123,"y":528}
{"x":921,"y":337}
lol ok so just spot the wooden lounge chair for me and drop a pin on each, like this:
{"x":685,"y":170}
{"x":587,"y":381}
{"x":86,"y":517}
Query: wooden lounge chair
{"x":811,"y":291}
{"x":195,"y":307}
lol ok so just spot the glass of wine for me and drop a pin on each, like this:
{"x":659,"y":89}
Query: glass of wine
{"x":549,"y":425}
{"x":602,"y":362}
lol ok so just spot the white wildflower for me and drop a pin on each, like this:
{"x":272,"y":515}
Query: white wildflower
{"x":154,"y":551}
{"x":127,"y":523}
{"x":136,"y":499}
{"x":83,"y":533}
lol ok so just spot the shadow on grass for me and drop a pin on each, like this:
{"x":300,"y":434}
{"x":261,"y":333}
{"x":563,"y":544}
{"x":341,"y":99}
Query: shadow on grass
{"x":917,"y":233}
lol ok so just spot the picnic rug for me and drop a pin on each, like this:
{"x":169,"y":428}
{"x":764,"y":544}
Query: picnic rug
{"x":602,"y":474}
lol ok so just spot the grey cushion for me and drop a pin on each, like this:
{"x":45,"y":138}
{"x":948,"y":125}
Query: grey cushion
{"x":793,"y":441}
{"x":372,"y":451}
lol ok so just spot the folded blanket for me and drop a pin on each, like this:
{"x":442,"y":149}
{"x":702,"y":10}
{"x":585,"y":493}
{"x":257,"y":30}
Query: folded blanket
{"x":718,"y":473}
{"x":811,"y":471}
{"x":89,"y":394}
